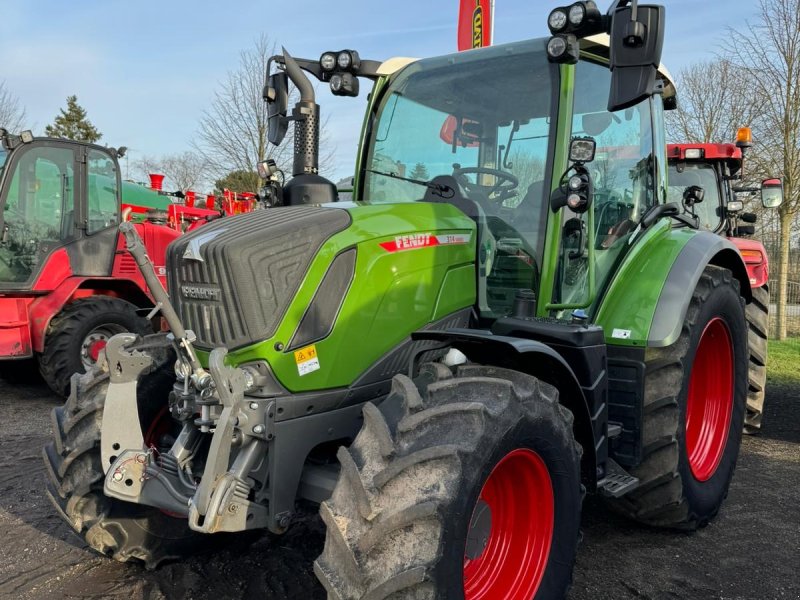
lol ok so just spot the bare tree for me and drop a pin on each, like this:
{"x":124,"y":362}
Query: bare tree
{"x":715,"y":100}
{"x":232,"y":134}
{"x":767,"y":52}
{"x":183,"y":171}
{"x":12,"y":115}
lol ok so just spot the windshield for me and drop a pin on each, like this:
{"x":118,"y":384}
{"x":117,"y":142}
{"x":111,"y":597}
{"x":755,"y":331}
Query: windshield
{"x":709,"y":211}
{"x":3,"y":155}
{"x":480,"y":123}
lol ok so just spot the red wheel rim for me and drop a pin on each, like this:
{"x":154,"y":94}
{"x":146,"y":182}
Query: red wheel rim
{"x":95,"y":348}
{"x":161,"y":425}
{"x":512,"y":563}
{"x":710,"y":401}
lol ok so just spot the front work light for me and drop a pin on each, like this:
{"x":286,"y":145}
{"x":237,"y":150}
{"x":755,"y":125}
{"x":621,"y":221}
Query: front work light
{"x":344,"y":84}
{"x":26,"y":136}
{"x":577,"y":13}
{"x":557,"y":20}
{"x":345,"y":61}
{"x":563,"y":48}
{"x":578,"y":203}
{"x":328,"y":61}
{"x":735,"y":206}
{"x":694,"y":153}
{"x":582,"y":149}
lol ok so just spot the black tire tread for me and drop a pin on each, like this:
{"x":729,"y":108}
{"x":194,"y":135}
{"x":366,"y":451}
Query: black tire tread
{"x":75,"y":475}
{"x":757,"y":313}
{"x":56,"y":362}
{"x":388,"y":547}
{"x":659,"y":500}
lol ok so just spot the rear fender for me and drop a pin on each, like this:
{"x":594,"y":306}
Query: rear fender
{"x":544,"y":363}
{"x":43,"y":309}
{"x":646,"y":303}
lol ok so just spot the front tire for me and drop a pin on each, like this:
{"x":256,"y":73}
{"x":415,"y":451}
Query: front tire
{"x":693,"y":414}
{"x":77,"y":335}
{"x":117,"y":529}
{"x":464,"y":487}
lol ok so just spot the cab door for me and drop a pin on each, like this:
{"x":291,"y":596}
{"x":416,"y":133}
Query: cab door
{"x":98,"y":209}
{"x":37,"y":209}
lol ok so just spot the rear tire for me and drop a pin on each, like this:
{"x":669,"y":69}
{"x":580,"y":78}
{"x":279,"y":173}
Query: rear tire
{"x":680,"y":486}
{"x":758,"y":332}
{"x":408,"y":518}
{"x":117,"y":529}
{"x":74,"y":327}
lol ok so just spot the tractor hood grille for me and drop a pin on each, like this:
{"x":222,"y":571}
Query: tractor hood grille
{"x":231,"y":281}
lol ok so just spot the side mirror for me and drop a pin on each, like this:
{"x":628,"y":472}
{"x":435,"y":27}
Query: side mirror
{"x":694,"y":194}
{"x":276,"y":94}
{"x":771,"y":193}
{"x":637,"y":39}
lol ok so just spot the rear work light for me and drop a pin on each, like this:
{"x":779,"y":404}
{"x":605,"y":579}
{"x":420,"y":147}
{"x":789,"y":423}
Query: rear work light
{"x":694,"y":153}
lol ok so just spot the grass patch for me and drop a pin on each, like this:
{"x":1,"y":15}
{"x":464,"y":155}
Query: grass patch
{"x":783,"y":362}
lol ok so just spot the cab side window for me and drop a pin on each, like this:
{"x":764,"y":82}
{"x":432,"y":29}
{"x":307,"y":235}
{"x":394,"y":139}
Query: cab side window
{"x":102,"y":192}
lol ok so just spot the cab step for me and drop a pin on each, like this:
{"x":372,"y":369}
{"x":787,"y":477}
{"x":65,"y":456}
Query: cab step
{"x":617,"y":481}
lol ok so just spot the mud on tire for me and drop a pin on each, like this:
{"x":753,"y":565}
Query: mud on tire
{"x":399,"y":517}
{"x":114,"y":528}
{"x":670,"y":495}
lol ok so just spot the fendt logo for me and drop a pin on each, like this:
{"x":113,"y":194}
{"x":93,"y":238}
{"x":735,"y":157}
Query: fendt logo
{"x":477,"y":26}
{"x":413,"y":241}
{"x":197,"y":292}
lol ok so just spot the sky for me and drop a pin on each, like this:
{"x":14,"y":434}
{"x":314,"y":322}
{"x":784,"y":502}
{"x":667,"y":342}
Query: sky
{"x":146,"y":70}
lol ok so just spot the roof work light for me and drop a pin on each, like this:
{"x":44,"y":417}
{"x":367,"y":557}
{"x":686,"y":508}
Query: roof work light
{"x":340,"y":69}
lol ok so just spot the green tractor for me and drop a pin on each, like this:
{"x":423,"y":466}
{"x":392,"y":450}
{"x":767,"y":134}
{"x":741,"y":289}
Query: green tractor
{"x":446,"y":364}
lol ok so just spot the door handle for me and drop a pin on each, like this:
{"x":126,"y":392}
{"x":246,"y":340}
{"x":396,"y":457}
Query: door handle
{"x":4,"y":236}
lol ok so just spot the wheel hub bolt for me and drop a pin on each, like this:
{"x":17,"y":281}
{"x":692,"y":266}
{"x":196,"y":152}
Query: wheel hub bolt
{"x":253,"y":405}
{"x":118,"y":476}
{"x":258,"y":429}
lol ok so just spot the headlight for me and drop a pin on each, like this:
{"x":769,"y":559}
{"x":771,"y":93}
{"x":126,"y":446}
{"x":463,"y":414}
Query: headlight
{"x":336,"y":83}
{"x":328,"y":61}
{"x":249,"y":379}
{"x":576,"y":182}
{"x":578,"y":203}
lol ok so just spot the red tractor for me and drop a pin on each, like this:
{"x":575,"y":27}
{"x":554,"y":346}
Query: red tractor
{"x":67,"y":284}
{"x":702,"y":178}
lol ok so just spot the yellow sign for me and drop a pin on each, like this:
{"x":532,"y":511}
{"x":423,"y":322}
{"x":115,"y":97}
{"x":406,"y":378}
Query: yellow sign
{"x":306,"y":359}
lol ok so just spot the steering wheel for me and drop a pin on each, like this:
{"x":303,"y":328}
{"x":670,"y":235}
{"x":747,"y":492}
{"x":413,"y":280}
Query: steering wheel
{"x":506,"y":186}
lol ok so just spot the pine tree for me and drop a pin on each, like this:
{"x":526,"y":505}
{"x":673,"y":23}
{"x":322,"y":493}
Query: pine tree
{"x":420,"y":172}
{"x":73,"y":124}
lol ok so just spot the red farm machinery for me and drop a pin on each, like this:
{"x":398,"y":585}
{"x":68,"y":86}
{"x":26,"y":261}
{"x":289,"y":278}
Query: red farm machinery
{"x":707,"y":178}
{"x":67,"y":283}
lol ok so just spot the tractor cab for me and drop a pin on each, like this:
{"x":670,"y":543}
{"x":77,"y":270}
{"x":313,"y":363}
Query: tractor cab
{"x":501,"y":158}
{"x":54,"y":194}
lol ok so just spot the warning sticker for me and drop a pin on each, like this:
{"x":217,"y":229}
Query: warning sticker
{"x":621,"y":334}
{"x":306,"y":359}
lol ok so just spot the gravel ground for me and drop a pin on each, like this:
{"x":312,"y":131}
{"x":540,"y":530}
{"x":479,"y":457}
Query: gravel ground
{"x":752,"y":550}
